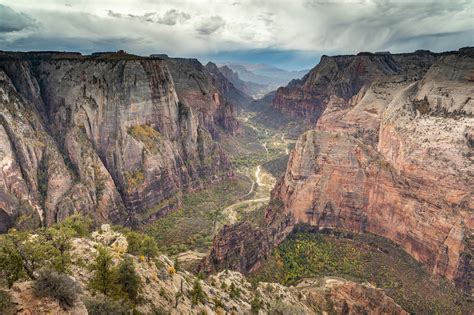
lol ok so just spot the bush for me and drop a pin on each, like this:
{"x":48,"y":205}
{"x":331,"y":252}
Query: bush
{"x":5,"y":301}
{"x":134,"y":241}
{"x":197,"y":293}
{"x":234,"y":291}
{"x":149,"y":248}
{"x":102,"y":305}
{"x":57,"y":286}
{"x":256,"y":305}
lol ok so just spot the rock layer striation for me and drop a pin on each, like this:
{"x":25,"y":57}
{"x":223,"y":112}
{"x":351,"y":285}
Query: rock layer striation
{"x":115,"y":136}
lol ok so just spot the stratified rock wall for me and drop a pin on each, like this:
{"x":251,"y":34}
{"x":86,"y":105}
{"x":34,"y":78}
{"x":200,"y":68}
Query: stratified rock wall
{"x":116,"y":136}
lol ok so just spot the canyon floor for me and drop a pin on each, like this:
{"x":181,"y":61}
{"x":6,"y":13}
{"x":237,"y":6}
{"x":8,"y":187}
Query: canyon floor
{"x":259,"y":154}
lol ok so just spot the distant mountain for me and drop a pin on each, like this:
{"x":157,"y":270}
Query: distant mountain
{"x":261,"y":78}
{"x":252,"y":89}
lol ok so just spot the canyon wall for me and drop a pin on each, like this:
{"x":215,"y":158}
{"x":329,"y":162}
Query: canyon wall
{"x":339,"y":82}
{"x":115,"y":136}
{"x":390,"y":155}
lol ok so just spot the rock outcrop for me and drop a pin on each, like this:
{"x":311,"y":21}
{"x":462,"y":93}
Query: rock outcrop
{"x":234,"y":94}
{"x":390,"y":155}
{"x":167,"y":290}
{"x":113,"y":135}
{"x":339,"y":82}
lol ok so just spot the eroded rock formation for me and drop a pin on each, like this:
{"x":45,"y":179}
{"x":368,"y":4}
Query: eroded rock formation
{"x":392,"y":155}
{"x":115,"y":135}
{"x":165,"y":289}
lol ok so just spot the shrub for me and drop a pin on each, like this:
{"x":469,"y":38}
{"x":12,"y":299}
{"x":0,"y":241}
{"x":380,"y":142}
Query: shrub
{"x":176,"y":264}
{"x":82,"y":225}
{"x":134,"y":241}
{"x":256,"y":305}
{"x":234,"y":291}
{"x":57,"y":286}
{"x":197,"y":293}
{"x":102,"y":305}
{"x":149,"y":247}
{"x":5,"y":300}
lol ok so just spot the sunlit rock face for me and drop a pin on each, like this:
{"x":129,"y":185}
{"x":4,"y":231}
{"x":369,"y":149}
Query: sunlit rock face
{"x":396,"y":159}
{"x":116,"y":136}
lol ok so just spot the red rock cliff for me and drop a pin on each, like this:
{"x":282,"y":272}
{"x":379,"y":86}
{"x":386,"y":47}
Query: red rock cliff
{"x":396,"y":160}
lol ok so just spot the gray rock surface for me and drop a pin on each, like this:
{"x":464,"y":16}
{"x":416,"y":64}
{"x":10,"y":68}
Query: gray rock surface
{"x":117,"y":136}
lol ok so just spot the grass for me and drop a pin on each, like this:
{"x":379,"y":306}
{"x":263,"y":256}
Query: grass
{"x":362,"y":258}
{"x":191,"y":227}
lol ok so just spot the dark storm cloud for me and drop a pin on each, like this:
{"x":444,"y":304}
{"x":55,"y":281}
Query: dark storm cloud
{"x":12,"y":21}
{"x":380,"y":24}
{"x":210,"y":25}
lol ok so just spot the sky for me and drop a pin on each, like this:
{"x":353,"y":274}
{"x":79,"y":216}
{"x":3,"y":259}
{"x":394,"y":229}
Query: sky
{"x":290,"y":34}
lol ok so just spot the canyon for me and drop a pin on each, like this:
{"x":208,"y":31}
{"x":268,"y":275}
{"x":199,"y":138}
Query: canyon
{"x":390,"y":154}
{"x":374,"y":144}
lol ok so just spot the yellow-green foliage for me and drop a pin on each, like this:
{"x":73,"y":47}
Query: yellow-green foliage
{"x":147,"y":135}
{"x":362,"y":258}
{"x":192,"y":225}
{"x":22,"y":254}
{"x":134,"y":178}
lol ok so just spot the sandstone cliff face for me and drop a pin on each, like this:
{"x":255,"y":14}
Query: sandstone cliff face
{"x":337,"y":83}
{"x":408,"y":179}
{"x":227,"y":87}
{"x":415,"y":189}
{"x":118,"y":136}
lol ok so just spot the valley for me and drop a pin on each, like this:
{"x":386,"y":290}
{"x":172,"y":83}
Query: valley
{"x":188,"y":231}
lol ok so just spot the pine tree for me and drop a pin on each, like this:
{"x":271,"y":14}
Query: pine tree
{"x":105,"y":274}
{"x":128,"y":278}
{"x":197,"y":293}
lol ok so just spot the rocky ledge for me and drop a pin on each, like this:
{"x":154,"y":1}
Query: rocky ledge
{"x":165,"y":289}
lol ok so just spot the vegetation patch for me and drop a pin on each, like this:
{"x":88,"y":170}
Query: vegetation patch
{"x":134,"y":178}
{"x":146,"y":134}
{"x":192,"y":226}
{"x":57,"y":286}
{"x":363,"y":258}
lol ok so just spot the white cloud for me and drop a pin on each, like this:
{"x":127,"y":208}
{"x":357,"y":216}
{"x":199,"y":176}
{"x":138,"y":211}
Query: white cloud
{"x":198,"y":27}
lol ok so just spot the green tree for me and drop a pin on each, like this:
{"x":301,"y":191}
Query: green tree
{"x":135,"y":242}
{"x":149,"y":248}
{"x":59,"y":237}
{"x":105,"y":274}
{"x":197,"y":293}
{"x":128,"y":278}
{"x":11,"y":263}
{"x":21,"y":254}
{"x":80,"y":224}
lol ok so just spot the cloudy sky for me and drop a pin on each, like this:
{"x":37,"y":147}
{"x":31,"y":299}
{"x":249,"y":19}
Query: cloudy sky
{"x":291,"y":34}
